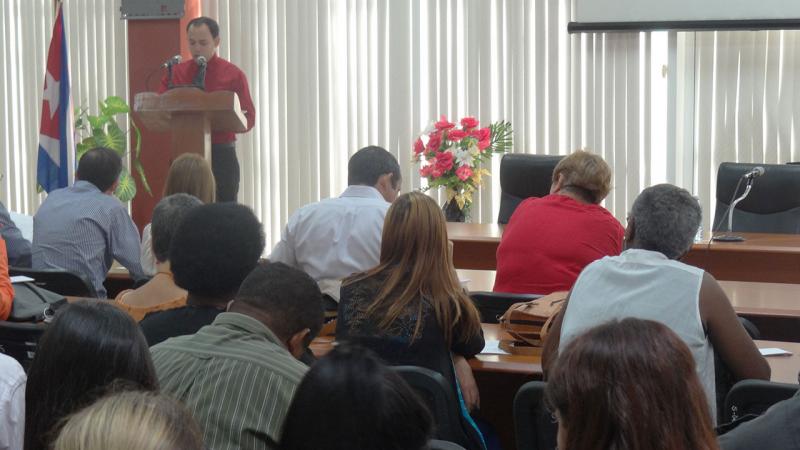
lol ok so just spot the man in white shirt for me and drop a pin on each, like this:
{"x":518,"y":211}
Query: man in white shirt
{"x":12,"y":403}
{"x":336,"y":237}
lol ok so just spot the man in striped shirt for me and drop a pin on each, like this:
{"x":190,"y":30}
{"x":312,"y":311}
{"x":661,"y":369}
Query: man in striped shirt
{"x":84,"y":228}
{"x":239,"y":374}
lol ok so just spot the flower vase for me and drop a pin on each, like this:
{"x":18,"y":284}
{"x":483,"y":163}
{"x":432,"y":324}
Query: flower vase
{"x":452,"y":213}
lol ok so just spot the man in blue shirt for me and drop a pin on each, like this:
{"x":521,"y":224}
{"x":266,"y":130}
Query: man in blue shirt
{"x":19,"y":248}
{"x":84,"y":228}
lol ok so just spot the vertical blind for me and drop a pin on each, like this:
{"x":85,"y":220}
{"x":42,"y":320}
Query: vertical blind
{"x":98,"y":68}
{"x":332,"y":76}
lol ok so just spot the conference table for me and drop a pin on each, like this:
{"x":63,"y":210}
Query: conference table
{"x":499,"y":376}
{"x":773,"y":258}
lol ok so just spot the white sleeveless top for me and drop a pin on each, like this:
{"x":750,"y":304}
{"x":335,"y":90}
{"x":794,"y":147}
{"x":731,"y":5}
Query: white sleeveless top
{"x":645,"y":285}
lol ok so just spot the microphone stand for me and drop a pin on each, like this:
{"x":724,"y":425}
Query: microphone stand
{"x":169,"y":77}
{"x":729,"y":236}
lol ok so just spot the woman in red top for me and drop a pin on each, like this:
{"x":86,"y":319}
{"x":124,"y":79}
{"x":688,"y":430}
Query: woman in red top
{"x":549,"y":240}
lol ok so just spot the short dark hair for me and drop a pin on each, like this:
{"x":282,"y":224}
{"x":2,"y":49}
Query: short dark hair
{"x":212,"y":25}
{"x":89,"y":346}
{"x":167,"y":216}
{"x":665,"y":219}
{"x":100,"y":166}
{"x":288,"y":296}
{"x":369,"y":163}
{"x":214,"y":248}
{"x":374,"y":407}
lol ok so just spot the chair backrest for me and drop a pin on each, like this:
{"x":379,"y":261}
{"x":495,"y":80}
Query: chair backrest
{"x":773,"y":205}
{"x":58,"y":281}
{"x":443,"y":403}
{"x":523,"y":176}
{"x":755,"y":397}
{"x":492,"y":305}
{"x":19,"y":341}
{"x":533,"y":424}
{"x":724,"y":380}
{"x":436,"y":444}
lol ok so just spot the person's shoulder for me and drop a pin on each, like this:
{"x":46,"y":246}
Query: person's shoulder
{"x":11,"y":372}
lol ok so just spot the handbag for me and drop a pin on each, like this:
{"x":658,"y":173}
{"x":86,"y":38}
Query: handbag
{"x":529,"y":322}
{"x":34,"y":304}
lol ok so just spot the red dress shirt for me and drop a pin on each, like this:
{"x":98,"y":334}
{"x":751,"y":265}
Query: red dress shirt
{"x":221,"y":75}
{"x":549,"y":240}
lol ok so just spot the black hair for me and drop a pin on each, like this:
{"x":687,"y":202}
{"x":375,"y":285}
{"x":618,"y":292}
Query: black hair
{"x":167,"y":216}
{"x":212,"y":25}
{"x":374,"y":407}
{"x":369,"y":163}
{"x":214,"y":249}
{"x":100,"y":166}
{"x":288,"y":296}
{"x":90,"y":346}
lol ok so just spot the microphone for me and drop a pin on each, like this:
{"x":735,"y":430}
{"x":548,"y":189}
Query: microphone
{"x":200,"y":76}
{"x":202,"y":61}
{"x":755,"y":173}
{"x":172,"y":61}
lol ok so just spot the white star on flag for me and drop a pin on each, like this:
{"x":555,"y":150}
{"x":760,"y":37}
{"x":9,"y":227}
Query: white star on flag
{"x":51,"y":93}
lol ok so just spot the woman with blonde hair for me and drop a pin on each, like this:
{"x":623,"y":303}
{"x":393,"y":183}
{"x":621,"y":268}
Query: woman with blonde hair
{"x":549,"y":240}
{"x":189,"y":174}
{"x":132,"y":420}
{"x":411,"y":309}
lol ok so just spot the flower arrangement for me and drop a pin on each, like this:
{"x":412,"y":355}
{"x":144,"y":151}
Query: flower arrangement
{"x":451,"y":157}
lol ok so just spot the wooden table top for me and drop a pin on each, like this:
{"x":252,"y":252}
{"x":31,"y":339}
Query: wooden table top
{"x":749,"y":298}
{"x":784,"y":368}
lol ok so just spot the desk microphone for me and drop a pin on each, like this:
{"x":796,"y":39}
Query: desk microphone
{"x":200,"y":76}
{"x":755,"y":173}
{"x":172,"y":61}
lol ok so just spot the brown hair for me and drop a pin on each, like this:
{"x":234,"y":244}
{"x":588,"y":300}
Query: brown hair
{"x":191,"y":174}
{"x":131,"y":421}
{"x":630,"y":384}
{"x":416,"y":259}
{"x":586,"y":173}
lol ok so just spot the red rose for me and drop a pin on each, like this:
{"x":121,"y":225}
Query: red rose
{"x":425,"y":171}
{"x":419,"y":147}
{"x":483,"y":144}
{"x":469,"y":122}
{"x":456,"y":135}
{"x":435,"y":141}
{"x":464,"y":172}
{"x":444,"y":161}
{"x":482,"y":134}
{"x":436,"y":172}
{"x":443,"y":124}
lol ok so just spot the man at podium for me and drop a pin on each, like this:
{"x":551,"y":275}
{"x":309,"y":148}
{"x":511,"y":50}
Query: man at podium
{"x":220,"y":75}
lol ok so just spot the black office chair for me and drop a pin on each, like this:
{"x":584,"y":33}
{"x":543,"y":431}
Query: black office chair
{"x":19,"y":341}
{"x":724,"y":380}
{"x":492,"y":305}
{"x":755,"y":397}
{"x":436,"y":393}
{"x":523,"y":176}
{"x":533,"y":424}
{"x":773,"y":205}
{"x":58,"y":281}
{"x":435,"y":444}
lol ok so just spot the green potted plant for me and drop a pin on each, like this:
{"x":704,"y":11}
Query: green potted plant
{"x":103,"y":130}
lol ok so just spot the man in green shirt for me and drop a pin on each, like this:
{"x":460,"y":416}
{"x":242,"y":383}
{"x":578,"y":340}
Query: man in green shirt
{"x":239,"y":374}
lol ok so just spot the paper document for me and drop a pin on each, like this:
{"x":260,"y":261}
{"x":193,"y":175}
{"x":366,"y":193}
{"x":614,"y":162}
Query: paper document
{"x":20,"y":279}
{"x":492,"y":347}
{"x":772,"y":351}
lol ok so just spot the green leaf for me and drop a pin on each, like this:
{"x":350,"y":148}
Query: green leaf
{"x":84,"y":146}
{"x":126,"y":189}
{"x":137,"y":164}
{"x":502,"y":140}
{"x":114,"y":138}
{"x":114,"y":105}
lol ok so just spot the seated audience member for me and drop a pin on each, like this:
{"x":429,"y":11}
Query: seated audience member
{"x":629,"y":385}
{"x":549,"y":240}
{"x":238,"y":375}
{"x":6,"y":288}
{"x":646,"y":281}
{"x":212,"y":251}
{"x":160,"y":293}
{"x":131,"y":420}
{"x":84,"y":228}
{"x":12,"y":403}
{"x":411,"y":309}
{"x":776,"y":429}
{"x":375,"y":408}
{"x":189,"y":174}
{"x":337,"y":237}
{"x":19,"y":248}
{"x":89,"y":347}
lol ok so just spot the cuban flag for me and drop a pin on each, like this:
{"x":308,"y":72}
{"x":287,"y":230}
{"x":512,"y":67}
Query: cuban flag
{"x":51,"y":168}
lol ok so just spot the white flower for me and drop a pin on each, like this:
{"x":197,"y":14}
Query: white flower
{"x":463,"y":157}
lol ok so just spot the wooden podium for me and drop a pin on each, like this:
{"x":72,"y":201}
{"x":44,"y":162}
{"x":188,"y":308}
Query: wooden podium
{"x":191,"y":114}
